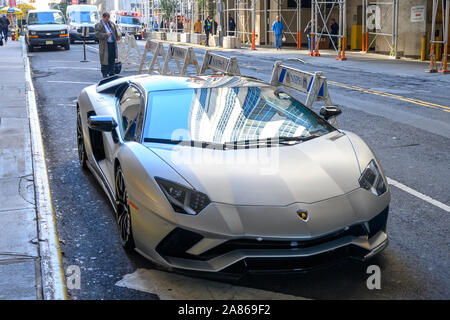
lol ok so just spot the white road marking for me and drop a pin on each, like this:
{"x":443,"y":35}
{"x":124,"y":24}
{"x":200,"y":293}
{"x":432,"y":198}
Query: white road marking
{"x":65,"y":61}
{"x":76,"y":82}
{"x":172,"y":286}
{"x":418,"y":194}
{"x":77,"y":68}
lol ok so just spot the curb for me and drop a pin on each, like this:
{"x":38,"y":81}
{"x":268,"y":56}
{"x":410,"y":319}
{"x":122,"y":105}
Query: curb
{"x":53,"y":279}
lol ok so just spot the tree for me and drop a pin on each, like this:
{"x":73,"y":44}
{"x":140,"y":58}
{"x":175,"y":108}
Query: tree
{"x":168,"y":7}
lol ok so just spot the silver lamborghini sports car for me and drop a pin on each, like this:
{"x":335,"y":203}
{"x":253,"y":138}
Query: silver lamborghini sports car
{"x":230,"y":174}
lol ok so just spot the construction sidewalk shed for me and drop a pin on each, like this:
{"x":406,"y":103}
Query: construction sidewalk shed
{"x":397,"y":28}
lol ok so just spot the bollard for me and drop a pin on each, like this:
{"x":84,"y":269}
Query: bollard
{"x":423,"y":49}
{"x":342,"y":55}
{"x":253,"y":40}
{"x":311,"y":45}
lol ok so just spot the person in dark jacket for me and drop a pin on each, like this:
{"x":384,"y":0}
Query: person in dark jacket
{"x":208,"y":26}
{"x":214,"y":27}
{"x":334,"y":32}
{"x":231,"y":26}
{"x":4,"y":23}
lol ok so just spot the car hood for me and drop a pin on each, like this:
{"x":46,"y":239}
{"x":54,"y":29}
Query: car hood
{"x":47,"y":27}
{"x":307,"y":172}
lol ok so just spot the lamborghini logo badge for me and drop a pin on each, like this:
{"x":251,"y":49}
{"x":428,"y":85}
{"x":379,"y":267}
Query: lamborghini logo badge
{"x":303,"y":214}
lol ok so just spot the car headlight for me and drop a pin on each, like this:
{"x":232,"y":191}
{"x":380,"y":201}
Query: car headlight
{"x":32,"y":33}
{"x":372,"y":179}
{"x":182,"y":199}
{"x":63,"y":32}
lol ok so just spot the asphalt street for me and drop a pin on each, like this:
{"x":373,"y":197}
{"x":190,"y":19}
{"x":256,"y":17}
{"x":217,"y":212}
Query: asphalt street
{"x":410,"y":137}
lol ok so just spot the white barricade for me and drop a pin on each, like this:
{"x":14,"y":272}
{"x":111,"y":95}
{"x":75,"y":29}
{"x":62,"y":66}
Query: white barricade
{"x":157,"y":50}
{"x":312,"y":84}
{"x":185,"y":55}
{"x":220,"y":64}
{"x":129,"y":53}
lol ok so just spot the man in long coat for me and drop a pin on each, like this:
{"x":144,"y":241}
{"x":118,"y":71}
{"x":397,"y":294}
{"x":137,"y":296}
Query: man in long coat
{"x":107,"y":35}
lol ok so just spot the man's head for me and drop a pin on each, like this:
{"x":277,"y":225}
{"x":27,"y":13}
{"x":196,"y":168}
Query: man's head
{"x":277,"y":18}
{"x":105,"y":17}
{"x":333,"y":21}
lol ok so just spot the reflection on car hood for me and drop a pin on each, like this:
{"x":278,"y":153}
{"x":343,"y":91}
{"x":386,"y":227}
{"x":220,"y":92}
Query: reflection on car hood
{"x":47,"y":27}
{"x":306,"y":172}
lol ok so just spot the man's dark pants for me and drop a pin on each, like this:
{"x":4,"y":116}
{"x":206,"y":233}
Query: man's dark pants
{"x":5,"y":33}
{"x":108,"y":70}
{"x":207,"y":38}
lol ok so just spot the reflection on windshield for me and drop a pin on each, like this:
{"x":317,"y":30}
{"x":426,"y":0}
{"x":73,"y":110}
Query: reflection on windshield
{"x":84,"y":16}
{"x":46,"y":18}
{"x":224,"y":115}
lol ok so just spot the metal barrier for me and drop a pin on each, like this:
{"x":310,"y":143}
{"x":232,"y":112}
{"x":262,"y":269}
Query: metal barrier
{"x":157,"y":50}
{"x":186,"y":55}
{"x":129,"y":53}
{"x":312,"y":84}
{"x":220,"y":64}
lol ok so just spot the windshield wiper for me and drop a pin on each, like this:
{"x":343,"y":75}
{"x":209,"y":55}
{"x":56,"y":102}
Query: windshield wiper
{"x":192,"y":143}
{"x":273,"y":140}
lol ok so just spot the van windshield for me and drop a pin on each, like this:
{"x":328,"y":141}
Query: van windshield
{"x":83,"y":16}
{"x":46,"y":17}
{"x":130,"y":20}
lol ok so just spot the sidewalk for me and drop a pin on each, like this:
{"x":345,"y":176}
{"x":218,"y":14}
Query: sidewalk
{"x":21,"y":233}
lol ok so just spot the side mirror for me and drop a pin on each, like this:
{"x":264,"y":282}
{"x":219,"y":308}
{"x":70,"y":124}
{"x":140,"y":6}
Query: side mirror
{"x":330,"y":111}
{"x":102,"y":123}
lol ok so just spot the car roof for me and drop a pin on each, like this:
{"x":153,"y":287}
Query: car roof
{"x":43,"y":10}
{"x":163,"y":82}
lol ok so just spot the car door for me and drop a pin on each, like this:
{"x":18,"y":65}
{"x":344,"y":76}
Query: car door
{"x":130,"y":108}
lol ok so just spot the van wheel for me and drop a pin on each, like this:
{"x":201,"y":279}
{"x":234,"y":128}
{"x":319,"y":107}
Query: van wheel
{"x":30,"y":48}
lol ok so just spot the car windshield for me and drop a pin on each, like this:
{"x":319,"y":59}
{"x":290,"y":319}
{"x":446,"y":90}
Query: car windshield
{"x":130,"y":20}
{"x":84,"y":16}
{"x":228,"y":115}
{"x":49,"y":17}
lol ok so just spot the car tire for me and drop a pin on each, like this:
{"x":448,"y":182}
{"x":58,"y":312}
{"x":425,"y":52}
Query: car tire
{"x":72,"y":41}
{"x":123,"y":212}
{"x":67,"y":46}
{"x":30,"y":48}
{"x":82,"y":156}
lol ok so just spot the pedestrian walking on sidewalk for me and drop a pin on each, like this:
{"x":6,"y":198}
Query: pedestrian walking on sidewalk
{"x":334,"y":33}
{"x":308,"y":30}
{"x":198,"y":26}
{"x":4,"y":24}
{"x":231,"y":26}
{"x":277,"y":28}
{"x":106,"y":33}
{"x":208,"y":29}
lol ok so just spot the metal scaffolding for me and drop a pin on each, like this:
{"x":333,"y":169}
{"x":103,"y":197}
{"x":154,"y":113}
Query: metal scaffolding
{"x":246,"y":13}
{"x":321,"y":15}
{"x":376,"y":19}
{"x":434,"y":42}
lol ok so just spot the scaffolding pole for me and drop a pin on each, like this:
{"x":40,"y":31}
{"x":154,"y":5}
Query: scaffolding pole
{"x":444,"y":41}
{"x":321,"y":12}
{"x":375,"y":14}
